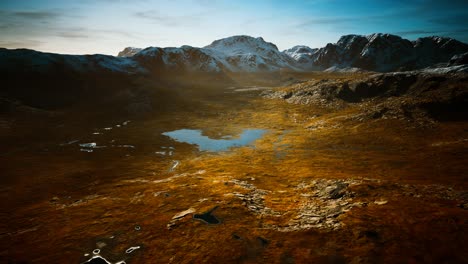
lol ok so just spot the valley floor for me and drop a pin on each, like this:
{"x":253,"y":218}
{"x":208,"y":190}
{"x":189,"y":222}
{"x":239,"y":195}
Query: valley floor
{"x":319,"y":187}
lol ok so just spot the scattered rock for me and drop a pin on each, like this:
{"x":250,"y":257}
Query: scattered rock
{"x":254,"y":200}
{"x":382,"y":202}
{"x":177,"y":217}
{"x":183,"y":213}
{"x":131,"y":249}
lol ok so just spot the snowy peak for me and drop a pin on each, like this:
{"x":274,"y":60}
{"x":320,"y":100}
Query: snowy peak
{"x":240,"y":45}
{"x":185,"y":58}
{"x":237,"y":54}
{"x":352,"y":43}
{"x":128,"y":52}
{"x":300,"y":53}
{"x":245,"y":53}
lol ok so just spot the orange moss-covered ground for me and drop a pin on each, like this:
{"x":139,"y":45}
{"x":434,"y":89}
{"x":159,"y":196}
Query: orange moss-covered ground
{"x":405,"y":200}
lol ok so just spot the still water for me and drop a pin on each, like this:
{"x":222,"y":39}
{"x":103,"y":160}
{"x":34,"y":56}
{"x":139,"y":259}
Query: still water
{"x":204,"y":143}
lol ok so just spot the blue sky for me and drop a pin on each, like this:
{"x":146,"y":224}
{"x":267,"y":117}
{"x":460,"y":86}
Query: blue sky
{"x":107,"y":26}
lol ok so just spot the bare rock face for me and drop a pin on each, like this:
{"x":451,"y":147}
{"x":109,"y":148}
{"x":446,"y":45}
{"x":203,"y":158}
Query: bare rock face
{"x":459,"y":59}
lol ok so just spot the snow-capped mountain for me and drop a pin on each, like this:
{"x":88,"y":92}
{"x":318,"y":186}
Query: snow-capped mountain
{"x":185,"y":58}
{"x":236,"y":54}
{"x":301,"y":54}
{"x":128,"y":52}
{"x":245,"y":53}
{"x":376,"y":52}
{"x":382,"y":52}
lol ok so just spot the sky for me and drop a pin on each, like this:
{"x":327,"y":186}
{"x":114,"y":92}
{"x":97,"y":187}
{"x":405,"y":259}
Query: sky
{"x":108,"y":26}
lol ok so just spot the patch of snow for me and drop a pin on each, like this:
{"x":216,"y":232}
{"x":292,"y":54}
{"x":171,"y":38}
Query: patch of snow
{"x":128,"y":52}
{"x":445,"y":70}
{"x":344,"y":69}
{"x":88,"y":145}
{"x":86,"y":150}
{"x":300,"y":53}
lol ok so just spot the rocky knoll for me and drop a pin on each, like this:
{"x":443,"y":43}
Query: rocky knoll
{"x":412,"y":96}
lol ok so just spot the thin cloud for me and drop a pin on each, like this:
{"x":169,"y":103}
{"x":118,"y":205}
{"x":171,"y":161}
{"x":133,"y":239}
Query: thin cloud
{"x":421,"y":32}
{"x":171,"y":21}
{"x":328,"y":21}
{"x":25,"y":43}
{"x":85,"y":33}
{"x":34,"y":15}
{"x":14,"y":20}
{"x":346,"y":21}
{"x":71,"y":35}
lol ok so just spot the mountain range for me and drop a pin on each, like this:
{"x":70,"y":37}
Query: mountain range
{"x":48,"y":80}
{"x":376,"y":52}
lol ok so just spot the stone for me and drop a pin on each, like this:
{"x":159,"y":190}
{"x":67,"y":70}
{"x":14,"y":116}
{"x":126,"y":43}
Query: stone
{"x":183,"y":213}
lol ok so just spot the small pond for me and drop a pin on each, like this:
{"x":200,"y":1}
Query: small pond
{"x":204,"y":143}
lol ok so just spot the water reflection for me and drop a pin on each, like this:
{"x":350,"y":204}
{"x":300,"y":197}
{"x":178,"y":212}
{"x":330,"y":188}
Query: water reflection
{"x":204,"y":143}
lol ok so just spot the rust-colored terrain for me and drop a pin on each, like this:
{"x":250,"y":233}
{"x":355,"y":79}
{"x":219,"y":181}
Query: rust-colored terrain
{"x":353,"y":168}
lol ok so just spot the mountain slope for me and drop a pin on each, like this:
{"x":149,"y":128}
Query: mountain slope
{"x":53,"y":81}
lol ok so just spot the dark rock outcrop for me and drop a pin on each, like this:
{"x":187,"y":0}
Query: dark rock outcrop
{"x":459,"y":59}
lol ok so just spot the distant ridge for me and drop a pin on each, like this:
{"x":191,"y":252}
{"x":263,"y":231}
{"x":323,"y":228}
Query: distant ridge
{"x":376,"y":52}
{"x":382,"y":53}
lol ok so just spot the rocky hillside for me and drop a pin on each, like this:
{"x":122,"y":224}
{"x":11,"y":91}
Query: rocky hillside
{"x":420,"y":97}
{"x":52,"y":81}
